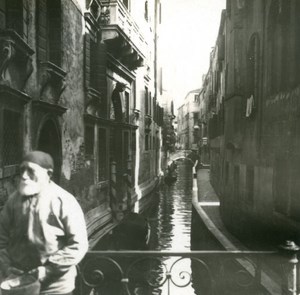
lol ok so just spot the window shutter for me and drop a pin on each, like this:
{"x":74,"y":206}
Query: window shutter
{"x":41,"y":30}
{"x":54,"y":31}
{"x":14,"y":19}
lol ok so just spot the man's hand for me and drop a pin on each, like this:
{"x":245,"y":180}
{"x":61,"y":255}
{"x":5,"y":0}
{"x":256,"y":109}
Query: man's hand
{"x":39,"y":272}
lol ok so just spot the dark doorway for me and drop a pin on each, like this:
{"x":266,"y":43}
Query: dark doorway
{"x":50,"y":142}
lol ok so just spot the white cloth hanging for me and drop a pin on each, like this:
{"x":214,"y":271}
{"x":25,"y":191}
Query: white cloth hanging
{"x":250,"y":106}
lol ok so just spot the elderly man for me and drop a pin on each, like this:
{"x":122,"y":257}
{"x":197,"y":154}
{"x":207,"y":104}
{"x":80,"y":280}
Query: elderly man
{"x":42,"y":228}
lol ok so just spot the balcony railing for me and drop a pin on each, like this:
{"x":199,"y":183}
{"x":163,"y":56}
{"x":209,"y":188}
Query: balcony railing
{"x":123,"y":36}
{"x":207,"y":272}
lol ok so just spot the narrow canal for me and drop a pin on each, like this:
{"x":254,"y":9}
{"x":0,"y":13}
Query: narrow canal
{"x":175,"y":226}
{"x":170,"y":222}
{"x":170,"y":217}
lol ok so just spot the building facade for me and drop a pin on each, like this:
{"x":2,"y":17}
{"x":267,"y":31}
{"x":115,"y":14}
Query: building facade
{"x":78,"y":80}
{"x":188,"y":134}
{"x":255,"y":149}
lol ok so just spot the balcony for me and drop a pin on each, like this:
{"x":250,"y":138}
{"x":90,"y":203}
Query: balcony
{"x":122,"y":35}
{"x":207,"y":272}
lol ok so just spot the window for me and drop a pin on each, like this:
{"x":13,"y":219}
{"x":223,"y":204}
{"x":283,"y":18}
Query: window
{"x":226,"y":172}
{"x":150,"y":104}
{"x":146,"y":11}
{"x":249,"y":184}
{"x":196,"y":116}
{"x":93,"y":64}
{"x":281,"y":183}
{"x":146,"y":142}
{"x":125,"y":151}
{"x":133,"y":141}
{"x":12,"y":138}
{"x":146,"y":101}
{"x":279,"y":24}
{"x":54,"y":31}
{"x":253,"y":66}
{"x":102,"y":154}
{"x":160,"y":13}
{"x":126,"y":3}
{"x":126,"y":106}
{"x":297,"y":44}
{"x":89,"y":140}
{"x":14,"y":16}
{"x":236,"y":182}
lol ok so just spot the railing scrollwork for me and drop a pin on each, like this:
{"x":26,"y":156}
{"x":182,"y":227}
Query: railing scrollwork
{"x":207,"y":272}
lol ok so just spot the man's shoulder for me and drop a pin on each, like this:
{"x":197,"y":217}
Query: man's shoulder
{"x":61,"y":193}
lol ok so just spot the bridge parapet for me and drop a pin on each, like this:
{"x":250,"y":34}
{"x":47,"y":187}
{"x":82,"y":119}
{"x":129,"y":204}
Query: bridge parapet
{"x":182,"y":154}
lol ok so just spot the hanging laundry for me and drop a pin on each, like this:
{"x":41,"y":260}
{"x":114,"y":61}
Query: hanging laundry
{"x":250,"y":106}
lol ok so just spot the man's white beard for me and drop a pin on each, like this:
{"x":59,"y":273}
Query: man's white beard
{"x":28,"y":189}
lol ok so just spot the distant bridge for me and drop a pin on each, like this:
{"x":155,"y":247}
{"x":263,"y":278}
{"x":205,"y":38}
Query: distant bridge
{"x":182,"y":154}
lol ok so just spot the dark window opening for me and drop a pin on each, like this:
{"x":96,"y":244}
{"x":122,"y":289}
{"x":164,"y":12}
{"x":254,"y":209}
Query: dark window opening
{"x":102,"y":154}
{"x":297,"y":44}
{"x":89,"y":140}
{"x":253,"y":67}
{"x":146,"y":11}
{"x":93,"y":64}
{"x":160,"y":13}
{"x":250,"y":184}
{"x":126,"y":106}
{"x":126,"y":3}
{"x":146,"y":142}
{"x":281,"y":185}
{"x":14,"y":18}
{"x":226,"y":172}
{"x":146,"y":101}
{"x":125,"y":151}
{"x":133,"y":141}
{"x":54,"y":31}
{"x":12,"y":138}
{"x":236,"y":182}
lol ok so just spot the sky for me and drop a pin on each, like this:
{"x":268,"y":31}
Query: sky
{"x":189,"y":30}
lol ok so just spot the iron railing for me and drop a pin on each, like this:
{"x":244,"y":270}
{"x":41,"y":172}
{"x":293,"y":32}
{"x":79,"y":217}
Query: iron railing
{"x":207,"y":272}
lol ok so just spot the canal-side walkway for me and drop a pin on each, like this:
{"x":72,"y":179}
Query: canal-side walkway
{"x":207,"y":205}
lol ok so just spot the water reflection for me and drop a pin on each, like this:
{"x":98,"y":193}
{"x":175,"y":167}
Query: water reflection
{"x":170,"y":221}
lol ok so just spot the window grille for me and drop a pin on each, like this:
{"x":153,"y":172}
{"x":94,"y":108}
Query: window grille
{"x":12,"y":143}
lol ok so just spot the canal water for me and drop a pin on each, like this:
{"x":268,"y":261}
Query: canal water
{"x":170,"y":219}
{"x":170,"y":222}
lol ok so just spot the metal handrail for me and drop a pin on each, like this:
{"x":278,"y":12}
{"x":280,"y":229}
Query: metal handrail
{"x":156,"y":269}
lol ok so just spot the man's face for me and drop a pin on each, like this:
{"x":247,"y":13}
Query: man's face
{"x":33,"y":178}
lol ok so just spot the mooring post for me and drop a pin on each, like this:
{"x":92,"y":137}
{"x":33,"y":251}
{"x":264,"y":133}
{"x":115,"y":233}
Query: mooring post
{"x":290,"y":250}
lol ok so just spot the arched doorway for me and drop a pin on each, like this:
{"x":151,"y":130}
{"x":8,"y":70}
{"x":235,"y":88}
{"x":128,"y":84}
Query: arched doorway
{"x":49,"y":141}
